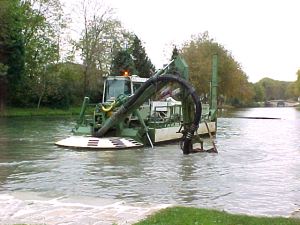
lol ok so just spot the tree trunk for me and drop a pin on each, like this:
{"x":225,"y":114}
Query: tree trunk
{"x":86,"y":80}
{"x":40,"y":99}
{"x":43,"y":89}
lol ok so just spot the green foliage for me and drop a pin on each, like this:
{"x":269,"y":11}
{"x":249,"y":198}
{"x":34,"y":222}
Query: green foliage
{"x":11,"y":47}
{"x":274,"y":89}
{"x":101,"y":37}
{"x":268,"y":89}
{"x":194,"y":216}
{"x":297,"y":84}
{"x":133,"y":60}
{"x":57,"y":89}
{"x":259,"y":91}
{"x":30,"y":52}
{"x":3,"y":69}
{"x":233,"y":82}
{"x":42,"y":23}
{"x":69,"y":76}
{"x":64,"y":87}
{"x":29,"y":31}
{"x":122,"y":63}
{"x":142,"y":63}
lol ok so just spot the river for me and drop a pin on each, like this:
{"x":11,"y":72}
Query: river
{"x":257,"y":172}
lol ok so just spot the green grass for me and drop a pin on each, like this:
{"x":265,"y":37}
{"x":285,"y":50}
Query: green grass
{"x":10,"y":112}
{"x":195,"y":216}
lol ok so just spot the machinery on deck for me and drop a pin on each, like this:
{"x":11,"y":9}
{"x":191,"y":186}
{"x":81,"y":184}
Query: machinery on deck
{"x":139,"y":111}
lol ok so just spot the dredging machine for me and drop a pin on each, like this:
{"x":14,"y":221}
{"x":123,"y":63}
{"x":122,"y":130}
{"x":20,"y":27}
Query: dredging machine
{"x":139,"y":111}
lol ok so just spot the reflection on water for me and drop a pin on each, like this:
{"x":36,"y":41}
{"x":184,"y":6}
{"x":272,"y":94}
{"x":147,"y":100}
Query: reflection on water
{"x":257,"y":170}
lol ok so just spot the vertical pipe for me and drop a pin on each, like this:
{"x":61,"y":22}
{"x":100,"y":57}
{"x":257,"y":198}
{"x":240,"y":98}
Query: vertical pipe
{"x":214,"y":89}
{"x":82,"y":111}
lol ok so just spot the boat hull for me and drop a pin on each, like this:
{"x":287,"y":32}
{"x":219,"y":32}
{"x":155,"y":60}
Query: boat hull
{"x":171,"y":133}
{"x":88,"y":142}
{"x":118,"y":143}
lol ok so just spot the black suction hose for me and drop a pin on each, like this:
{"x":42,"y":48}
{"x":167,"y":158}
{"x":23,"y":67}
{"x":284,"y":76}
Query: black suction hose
{"x":167,"y":78}
{"x":187,"y":145}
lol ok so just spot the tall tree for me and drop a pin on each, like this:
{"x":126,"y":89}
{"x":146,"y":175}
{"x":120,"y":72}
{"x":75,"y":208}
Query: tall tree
{"x":123,"y":64}
{"x":42,"y":24}
{"x":101,"y":37}
{"x":11,"y":50}
{"x":233,"y":82}
{"x":142,"y":63}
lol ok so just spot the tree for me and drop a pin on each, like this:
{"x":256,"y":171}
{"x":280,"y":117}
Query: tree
{"x":259,"y":93}
{"x":291,"y":91}
{"x":142,"y":63}
{"x":123,"y":63}
{"x":69,"y":79}
{"x":63,"y":89}
{"x":101,"y":37}
{"x":11,"y":50}
{"x":233,"y":82}
{"x":42,"y":23}
{"x":274,"y":89}
{"x":94,"y":26}
{"x":297,"y":83}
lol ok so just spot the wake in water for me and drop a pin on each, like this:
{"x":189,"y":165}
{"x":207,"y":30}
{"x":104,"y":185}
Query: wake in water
{"x":32,"y":209}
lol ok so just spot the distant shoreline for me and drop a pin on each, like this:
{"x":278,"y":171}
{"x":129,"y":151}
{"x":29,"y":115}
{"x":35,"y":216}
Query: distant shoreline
{"x":44,"y":111}
{"x":71,"y":111}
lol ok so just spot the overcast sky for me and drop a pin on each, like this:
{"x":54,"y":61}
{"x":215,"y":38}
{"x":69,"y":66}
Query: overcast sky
{"x":262,"y":35}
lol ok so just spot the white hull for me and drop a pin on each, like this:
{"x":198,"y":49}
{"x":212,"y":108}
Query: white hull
{"x":161,"y":135}
{"x":171,"y":133}
{"x":98,"y":143}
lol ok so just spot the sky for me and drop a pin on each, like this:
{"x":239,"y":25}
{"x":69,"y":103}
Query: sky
{"x":262,"y":35}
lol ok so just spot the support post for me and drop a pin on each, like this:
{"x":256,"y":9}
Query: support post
{"x":214,"y":89}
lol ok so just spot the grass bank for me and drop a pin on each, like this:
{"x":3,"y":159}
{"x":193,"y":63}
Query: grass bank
{"x":195,"y":216}
{"x":11,"y":111}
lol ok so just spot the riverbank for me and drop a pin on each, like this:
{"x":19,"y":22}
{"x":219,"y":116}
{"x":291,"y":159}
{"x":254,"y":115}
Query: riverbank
{"x":13,"y":112}
{"x":119,"y":214}
{"x":191,"y":216}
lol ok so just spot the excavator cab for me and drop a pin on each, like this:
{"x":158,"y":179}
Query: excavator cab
{"x":121,"y":85}
{"x":115,"y":86}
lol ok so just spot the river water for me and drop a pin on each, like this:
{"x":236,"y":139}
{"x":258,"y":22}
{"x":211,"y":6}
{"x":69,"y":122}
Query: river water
{"x":257,"y":171}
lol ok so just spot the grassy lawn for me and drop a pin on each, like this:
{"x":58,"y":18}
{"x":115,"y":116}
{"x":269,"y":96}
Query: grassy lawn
{"x":195,"y":216}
